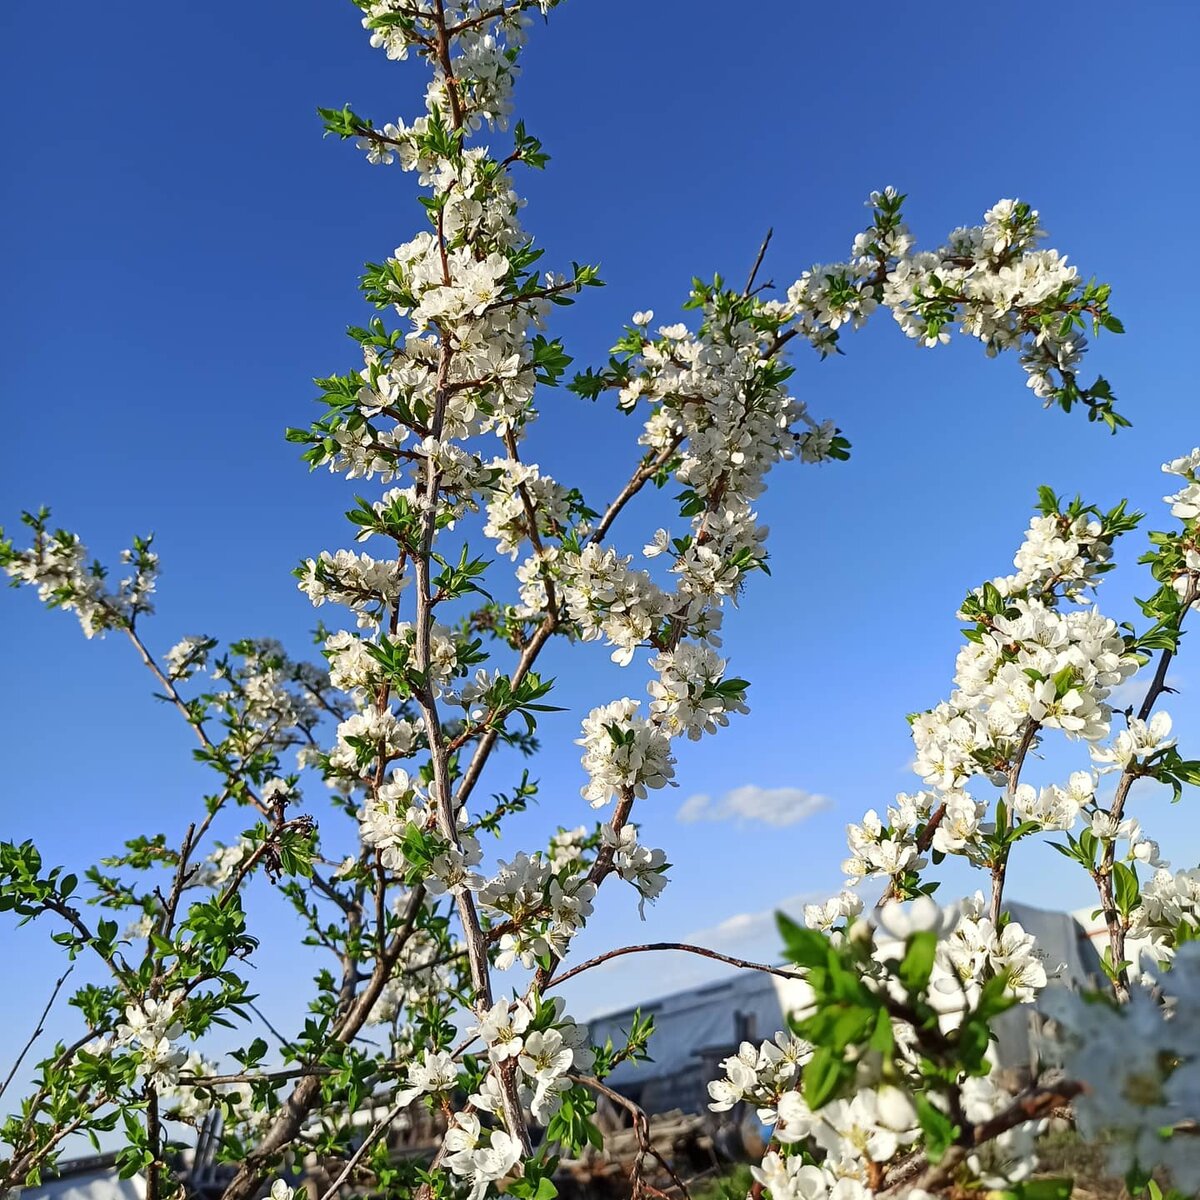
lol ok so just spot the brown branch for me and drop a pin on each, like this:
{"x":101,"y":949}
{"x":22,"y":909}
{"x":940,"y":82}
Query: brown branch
{"x":924,"y":841}
{"x":168,"y":686}
{"x":601,"y":869}
{"x":307,"y":1093}
{"x":529,"y":656}
{"x":154,"y":1143}
{"x":1032,"y":1106}
{"x":1116,"y":923}
{"x":271,"y":1028}
{"x":762,"y":251}
{"x":637,"y":481}
{"x":510,"y":443}
{"x":641,"y":1126}
{"x":684,"y":947}
{"x":925,"y":838}
{"x":543,"y":633}
{"x":1158,"y":684}
{"x":38,"y":1030}
{"x":536,"y":294}
{"x":501,"y":10}
{"x":1000,"y":865}
{"x":442,"y":50}
{"x":203,"y":1081}
{"x":441,"y":791}
{"x":19,"y":1167}
{"x":377,"y":1130}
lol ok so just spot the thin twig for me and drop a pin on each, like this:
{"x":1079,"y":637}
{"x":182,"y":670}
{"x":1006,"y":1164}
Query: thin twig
{"x":1116,"y":922}
{"x":38,"y":1031}
{"x":202,"y":1081}
{"x":762,"y":251}
{"x":1158,"y":684}
{"x":641,"y":1127}
{"x":380,"y":1127}
{"x":685,"y":948}
{"x":637,"y":481}
{"x":1000,"y":866}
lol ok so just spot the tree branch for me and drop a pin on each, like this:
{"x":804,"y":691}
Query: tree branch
{"x":38,"y":1030}
{"x":683,"y":947}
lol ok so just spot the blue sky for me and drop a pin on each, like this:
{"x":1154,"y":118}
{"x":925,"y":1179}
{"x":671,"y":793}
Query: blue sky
{"x":182,"y":250}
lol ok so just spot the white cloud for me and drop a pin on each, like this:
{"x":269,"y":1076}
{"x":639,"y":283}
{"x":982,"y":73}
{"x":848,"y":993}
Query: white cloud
{"x":744,"y":930}
{"x":769,"y":806}
{"x":1133,"y":690}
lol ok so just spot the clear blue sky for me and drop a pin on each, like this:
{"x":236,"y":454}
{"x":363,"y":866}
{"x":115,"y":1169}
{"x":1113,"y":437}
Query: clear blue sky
{"x":181,"y":253}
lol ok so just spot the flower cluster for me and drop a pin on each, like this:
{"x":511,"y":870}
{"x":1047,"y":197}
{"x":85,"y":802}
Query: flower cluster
{"x":990,"y":280}
{"x":1169,"y":912}
{"x":605,"y":598}
{"x":625,"y":754}
{"x":519,"y":491}
{"x":643,"y":867}
{"x":1185,"y":503}
{"x":56,"y":565}
{"x":372,"y":734}
{"x":887,"y":1070}
{"x":152,"y":1028}
{"x":1139,"y":1064}
{"x":1027,"y":667}
{"x":541,"y":1045}
{"x":187,"y":657}
{"x":543,"y":907}
{"x":355,"y":580}
{"x":760,"y":1075}
{"x":851,"y":1139}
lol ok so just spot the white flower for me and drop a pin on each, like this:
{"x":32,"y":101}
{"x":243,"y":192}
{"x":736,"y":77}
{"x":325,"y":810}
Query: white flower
{"x":921,"y":915}
{"x":623,"y":752}
{"x":790,"y":1178}
{"x":187,"y":657}
{"x":544,"y":1057}
{"x":436,"y":1073}
{"x":824,"y":916}
{"x":501,"y":1028}
{"x":895,"y":1108}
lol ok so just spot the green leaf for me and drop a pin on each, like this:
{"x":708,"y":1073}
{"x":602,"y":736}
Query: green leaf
{"x":804,"y":947}
{"x":917,"y":964}
{"x":1046,"y":1189}
{"x":937,"y":1127}
{"x":823,"y":1075}
{"x":1125,"y":883}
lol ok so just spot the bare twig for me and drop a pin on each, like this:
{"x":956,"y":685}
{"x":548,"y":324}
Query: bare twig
{"x":641,"y":1126}
{"x":637,"y":481}
{"x":762,"y":252}
{"x":1158,"y":684}
{"x":683,"y":947}
{"x":377,"y":1130}
{"x":38,"y":1031}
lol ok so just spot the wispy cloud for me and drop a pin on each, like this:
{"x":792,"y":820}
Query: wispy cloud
{"x":745,"y":930}
{"x":1132,"y":691}
{"x":778,"y":807}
